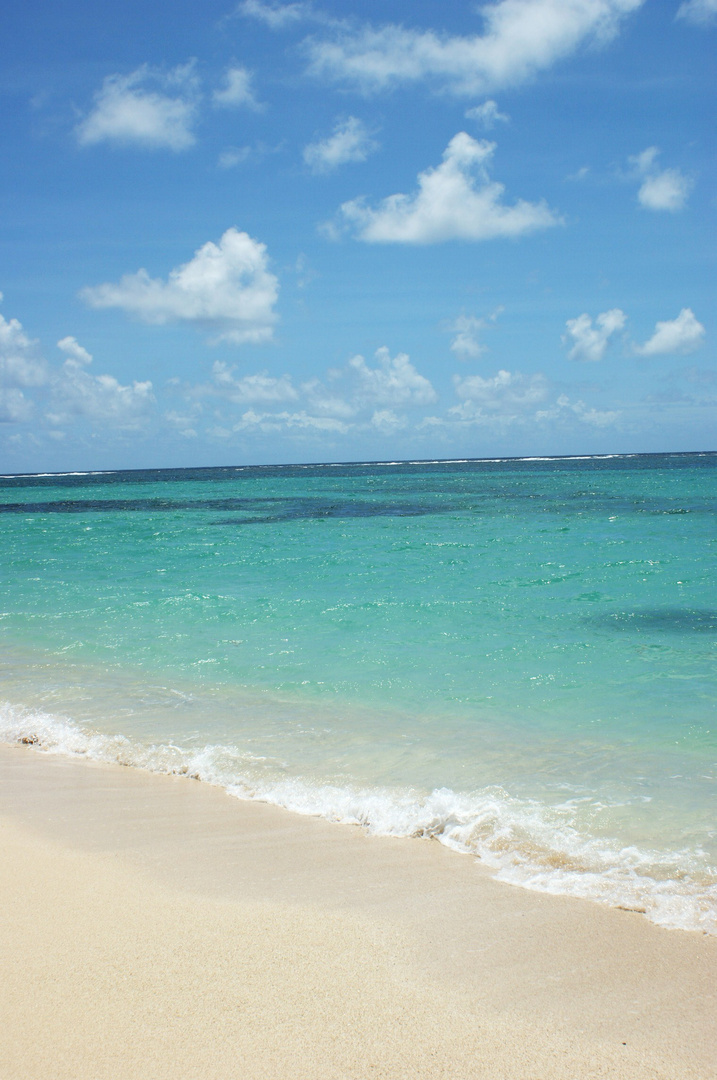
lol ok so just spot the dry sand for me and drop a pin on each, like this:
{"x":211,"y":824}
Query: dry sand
{"x":155,"y":927}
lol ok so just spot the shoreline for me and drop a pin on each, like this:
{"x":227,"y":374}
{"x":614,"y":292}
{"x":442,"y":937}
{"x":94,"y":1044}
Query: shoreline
{"x":545,"y":854}
{"x":156,"y":926}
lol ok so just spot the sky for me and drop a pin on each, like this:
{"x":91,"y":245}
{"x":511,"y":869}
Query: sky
{"x":274,"y":232}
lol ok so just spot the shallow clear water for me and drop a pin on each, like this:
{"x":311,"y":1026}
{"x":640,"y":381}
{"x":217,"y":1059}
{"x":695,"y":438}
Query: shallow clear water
{"x":514,"y":656}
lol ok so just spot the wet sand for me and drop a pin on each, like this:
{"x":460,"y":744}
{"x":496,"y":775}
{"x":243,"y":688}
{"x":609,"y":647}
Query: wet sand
{"x":155,"y":927}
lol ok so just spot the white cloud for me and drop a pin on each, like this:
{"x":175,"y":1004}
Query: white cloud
{"x":513,"y":398}
{"x":681,"y":335}
{"x":667,"y":190}
{"x":387,"y":421}
{"x":465,"y":344}
{"x":74,"y":350}
{"x":182,"y":423}
{"x":128,"y":113}
{"x":507,"y":395}
{"x":98,"y":398}
{"x":698,"y":12}
{"x":226,"y":288}
{"x":487,"y":115}
{"x":21,"y":364}
{"x":393,"y":382}
{"x":301,"y":421}
{"x":275,"y":16}
{"x":324,"y":402}
{"x":252,"y":388}
{"x":661,"y":189}
{"x":14,"y":406}
{"x":73,"y":391}
{"x":237,"y":90}
{"x":235,"y":155}
{"x":76,"y":394}
{"x":374,"y":393}
{"x":593,"y":417}
{"x":454,"y":201}
{"x":589,"y":342}
{"x":466,"y":328}
{"x":522,"y":37}
{"x":350,"y":142}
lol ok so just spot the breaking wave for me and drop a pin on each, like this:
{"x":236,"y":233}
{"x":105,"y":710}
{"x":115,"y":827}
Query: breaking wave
{"x":523,"y":841}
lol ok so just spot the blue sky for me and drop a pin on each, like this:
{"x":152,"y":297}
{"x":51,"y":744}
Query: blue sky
{"x":327,"y":232}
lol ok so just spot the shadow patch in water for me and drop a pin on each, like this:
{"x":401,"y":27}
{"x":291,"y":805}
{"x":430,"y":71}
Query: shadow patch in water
{"x":661,"y":620}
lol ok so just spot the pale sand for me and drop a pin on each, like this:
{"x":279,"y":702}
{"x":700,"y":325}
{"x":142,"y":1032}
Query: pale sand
{"x":154,"y":927}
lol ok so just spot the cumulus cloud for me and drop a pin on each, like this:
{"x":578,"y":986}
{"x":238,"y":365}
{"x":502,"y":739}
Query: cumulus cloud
{"x":698,"y":12}
{"x":325,"y":402}
{"x":74,"y":350}
{"x":350,"y":141}
{"x":521,"y":38}
{"x":76,"y":394}
{"x":455,"y":201}
{"x":21,"y":368}
{"x":394,"y":381}
{"x":509,"y":398}
{"x":466,"y":328}
{"x":594,"y":417}
{"x":21,"y":364}
{"x":681,"y":335}
{"x":181,"y":423}
{"x":252,"y":388}
{"x":661,"y":189}
{"x":226,"y":288}
{"x":14,"y":406}
{"x":506,"y":395}
{"x":387,"y":421}
{"x":129,"y":111}
{"x":589,"y":341}
{"x":465,"y":344}
{"x":487,"y":115}
{"x":99,"y":399}
{"x":375,"y":398}
{"x":237,"y":90}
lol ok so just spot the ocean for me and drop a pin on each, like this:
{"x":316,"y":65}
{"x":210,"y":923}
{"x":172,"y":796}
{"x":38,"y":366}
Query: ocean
{"x":513,"y":656}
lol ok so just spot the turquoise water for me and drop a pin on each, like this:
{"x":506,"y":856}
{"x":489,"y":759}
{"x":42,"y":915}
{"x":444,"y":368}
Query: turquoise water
{"x":514,"y":656}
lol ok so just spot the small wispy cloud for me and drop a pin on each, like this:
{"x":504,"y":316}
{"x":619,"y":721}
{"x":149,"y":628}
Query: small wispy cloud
{"x":147,"y":108}
{"x":681,"y":335}
{"x":487,"y":115}
{"x":698,"y":12}
{"x":588,"y":341}
{"x":235,"y":155}
{"x":660,"y":189}
{"x":466,"y":329}
{"x":237,"y":91}
{"x":350,"y":141}
{"x":277,"y":16}
{"x":521,"y":38}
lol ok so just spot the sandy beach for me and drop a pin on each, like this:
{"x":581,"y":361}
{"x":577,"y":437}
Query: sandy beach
{"x":156,"y":927}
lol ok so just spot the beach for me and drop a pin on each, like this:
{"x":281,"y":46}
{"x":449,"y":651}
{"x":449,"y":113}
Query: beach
{"x":514,"y":657}
{"x":155,"y":926}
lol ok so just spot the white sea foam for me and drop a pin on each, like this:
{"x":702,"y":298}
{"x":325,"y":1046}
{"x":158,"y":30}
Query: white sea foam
{"x":28,"y":476}
{"x":524,"y":842}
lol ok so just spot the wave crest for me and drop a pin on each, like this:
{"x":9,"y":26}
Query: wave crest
{"x":524,"y":842}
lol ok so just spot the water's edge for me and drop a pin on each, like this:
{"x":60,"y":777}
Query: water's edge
{"x":521,"y":841}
